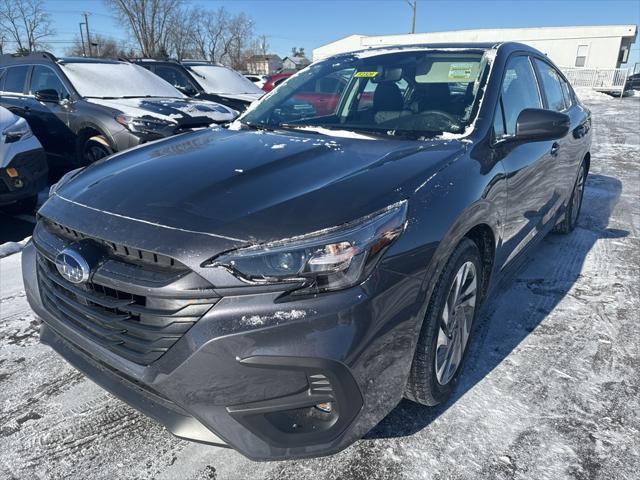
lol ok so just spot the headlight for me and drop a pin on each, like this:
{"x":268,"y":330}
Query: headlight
{"x":331,"y":259}
{"x":17,"y":131}
{"x":144,"y":124}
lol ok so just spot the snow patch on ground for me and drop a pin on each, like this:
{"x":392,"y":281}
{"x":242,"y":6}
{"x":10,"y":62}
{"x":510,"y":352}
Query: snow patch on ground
{"x":9,"y":248}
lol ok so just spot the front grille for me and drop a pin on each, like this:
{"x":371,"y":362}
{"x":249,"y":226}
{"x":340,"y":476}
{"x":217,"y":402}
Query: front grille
{"x":114,"y":314}
{"x":133,"y":255}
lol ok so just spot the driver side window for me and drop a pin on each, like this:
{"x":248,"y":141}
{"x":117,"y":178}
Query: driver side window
{"x":43,"y":78}
{"x":173,"y":76}
{"x":519,"y":91}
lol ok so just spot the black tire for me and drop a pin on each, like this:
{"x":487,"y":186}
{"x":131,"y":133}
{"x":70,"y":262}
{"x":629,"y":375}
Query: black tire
{"x":572,"y":214}
{"x":423,"y":385}
{"x":94,"y":149}
{"x":24,"y":206}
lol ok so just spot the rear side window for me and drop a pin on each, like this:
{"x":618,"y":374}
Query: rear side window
{"x":15,"y":79}
{"x":519,"y":91}
{"x":550,"y":84}
{"x":568,"y":95}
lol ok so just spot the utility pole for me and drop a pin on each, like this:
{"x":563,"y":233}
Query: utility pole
{"x":86,"y":26}
{"x":413,"y":4}
{"x":263,"y":44}
{"x":84,"y":50}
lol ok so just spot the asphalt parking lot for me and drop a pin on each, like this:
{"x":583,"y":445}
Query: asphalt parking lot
{"x":550,"y":390}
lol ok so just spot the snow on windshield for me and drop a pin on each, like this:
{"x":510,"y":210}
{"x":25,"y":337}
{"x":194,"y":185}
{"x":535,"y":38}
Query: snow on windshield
{"x":218,"y":79}
{"x":117,"y":80}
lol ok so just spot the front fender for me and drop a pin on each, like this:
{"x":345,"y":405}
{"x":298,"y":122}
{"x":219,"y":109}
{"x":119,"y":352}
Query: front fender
{"x":457,"y":199}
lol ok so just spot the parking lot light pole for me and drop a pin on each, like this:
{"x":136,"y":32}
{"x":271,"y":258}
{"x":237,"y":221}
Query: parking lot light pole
{"x":84,"y":51}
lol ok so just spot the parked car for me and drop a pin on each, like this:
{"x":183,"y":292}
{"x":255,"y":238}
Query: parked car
{"x":83,"y":109}
{"x":23,"y":164}
{"x":280,"y":285}
{"x":275,"y":80}
{"x":206,"y":81}
{"x":633,"y":82}
{"x":257,"y":80}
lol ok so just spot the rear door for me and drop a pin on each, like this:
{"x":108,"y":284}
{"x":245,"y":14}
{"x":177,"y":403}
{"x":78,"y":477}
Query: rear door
{"x":529,"y":166}
{"x":13,"y":89}
{"x":558,"y":96}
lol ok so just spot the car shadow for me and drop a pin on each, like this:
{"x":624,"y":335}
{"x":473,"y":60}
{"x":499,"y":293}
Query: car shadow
{"x":545,"y":276}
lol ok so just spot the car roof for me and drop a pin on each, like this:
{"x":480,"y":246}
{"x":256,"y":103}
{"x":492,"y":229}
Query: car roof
{"x":89,"y":60}
{"x":46,"y":57}
{"x":440,"y":46}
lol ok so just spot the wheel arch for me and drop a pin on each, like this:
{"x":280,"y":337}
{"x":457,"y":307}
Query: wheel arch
{"x":480,"y":223}
{"x":88,"y":130}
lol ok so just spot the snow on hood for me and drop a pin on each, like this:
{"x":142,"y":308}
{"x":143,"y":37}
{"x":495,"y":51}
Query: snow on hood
{"x":169,"y":109}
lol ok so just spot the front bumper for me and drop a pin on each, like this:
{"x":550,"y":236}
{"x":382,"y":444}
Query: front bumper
{"x":251,"y":381}
{"x":32,"y":176}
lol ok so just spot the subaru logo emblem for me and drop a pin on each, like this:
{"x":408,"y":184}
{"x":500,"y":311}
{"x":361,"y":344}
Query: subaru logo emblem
{"x":72,"y":266}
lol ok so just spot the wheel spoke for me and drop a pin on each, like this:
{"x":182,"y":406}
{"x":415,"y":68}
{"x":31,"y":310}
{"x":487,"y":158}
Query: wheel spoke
{"x":456,"y":322}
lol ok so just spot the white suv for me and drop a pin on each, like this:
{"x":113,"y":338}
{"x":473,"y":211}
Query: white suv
{"x":23,"y":164}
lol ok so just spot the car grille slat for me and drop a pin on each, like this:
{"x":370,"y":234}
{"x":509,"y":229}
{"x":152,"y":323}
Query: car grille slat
{"x":140,"y":328}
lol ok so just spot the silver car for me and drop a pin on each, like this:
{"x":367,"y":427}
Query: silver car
{"x":23,"y":164}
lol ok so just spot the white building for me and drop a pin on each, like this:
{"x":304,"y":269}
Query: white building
{"x":605,"y":46}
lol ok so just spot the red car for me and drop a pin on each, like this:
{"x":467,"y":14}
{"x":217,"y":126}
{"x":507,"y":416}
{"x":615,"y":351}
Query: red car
{"x":324,"y":96}
{"x":275,"y":80}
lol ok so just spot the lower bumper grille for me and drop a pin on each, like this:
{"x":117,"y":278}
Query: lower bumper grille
{"x":138,"y":328}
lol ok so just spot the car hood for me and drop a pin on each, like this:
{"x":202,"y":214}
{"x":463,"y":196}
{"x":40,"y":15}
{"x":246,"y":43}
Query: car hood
{"x":243,"y":97}
{"x":170,"y":109}
{"x":256,"y":186}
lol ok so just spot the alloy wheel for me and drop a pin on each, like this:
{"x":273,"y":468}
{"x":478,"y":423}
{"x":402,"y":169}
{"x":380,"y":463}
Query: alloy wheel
{"x":94,"y":153}
{"x":455,"y":322}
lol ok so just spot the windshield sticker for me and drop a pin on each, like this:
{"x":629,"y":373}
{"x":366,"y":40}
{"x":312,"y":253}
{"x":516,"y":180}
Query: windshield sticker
{"x":365,"y":74}
{"x":461,"y":71}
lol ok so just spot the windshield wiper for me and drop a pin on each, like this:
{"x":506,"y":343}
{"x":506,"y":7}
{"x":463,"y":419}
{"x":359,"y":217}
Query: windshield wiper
{"x":257,"y":126}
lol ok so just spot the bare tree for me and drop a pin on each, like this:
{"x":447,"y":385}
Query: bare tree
{"x":26,"y":23}
{"x":170,"y":28}
{"x":106,"y":48}
{"x":149,"y":22}
{"x":183,"y":33}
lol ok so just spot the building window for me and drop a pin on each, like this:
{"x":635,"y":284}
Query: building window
{"x":581,"y":56}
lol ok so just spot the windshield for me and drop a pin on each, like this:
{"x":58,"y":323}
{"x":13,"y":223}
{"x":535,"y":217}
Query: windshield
{"x":218,"y":79}
{"x":414,"y":93}
{"x":117,"y":80}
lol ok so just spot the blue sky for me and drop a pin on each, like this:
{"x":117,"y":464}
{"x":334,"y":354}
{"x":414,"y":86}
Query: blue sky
{"x":311,"y":23}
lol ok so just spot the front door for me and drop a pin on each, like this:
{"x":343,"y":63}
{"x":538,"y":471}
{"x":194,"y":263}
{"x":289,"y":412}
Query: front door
{"x":529,"y":166}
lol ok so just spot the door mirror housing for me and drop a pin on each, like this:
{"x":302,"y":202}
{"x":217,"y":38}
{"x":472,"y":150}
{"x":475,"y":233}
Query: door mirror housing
{"x":47,"y":96}
{"x":537,"y":124}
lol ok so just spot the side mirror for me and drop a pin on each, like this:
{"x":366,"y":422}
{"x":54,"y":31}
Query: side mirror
{"x":48,"y":96}
{"x":536,"y":124}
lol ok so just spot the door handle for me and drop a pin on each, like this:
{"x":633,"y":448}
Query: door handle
{"x":554,"y":149}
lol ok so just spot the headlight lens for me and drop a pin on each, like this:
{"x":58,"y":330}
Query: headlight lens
{"x":328,"y":260}
{"x":143,"y":124}
{"x":17,"y":131}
